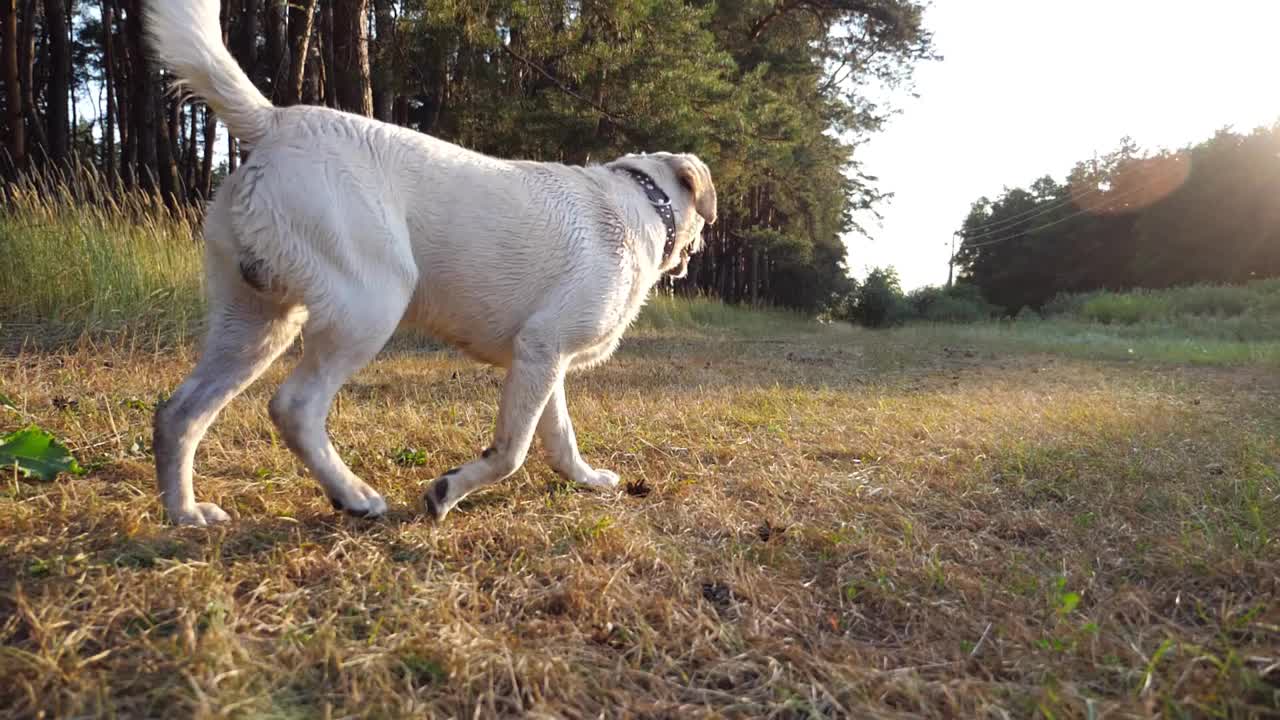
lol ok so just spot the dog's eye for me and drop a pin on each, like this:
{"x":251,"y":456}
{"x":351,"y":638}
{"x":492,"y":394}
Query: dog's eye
{"x":686,"y":182}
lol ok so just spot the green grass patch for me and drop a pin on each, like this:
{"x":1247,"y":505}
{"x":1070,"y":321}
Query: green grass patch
{"x":1147,"y":342}
{"x":665,"y":313}
{"x":121,"y":262}
{"x":1238,"y":312}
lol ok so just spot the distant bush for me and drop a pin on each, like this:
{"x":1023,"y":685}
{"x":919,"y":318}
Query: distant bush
{"x":1219,"y":300}
{"x":878,"y":302}
{"x":842,"y":306}
{"x":1121,"y":309}
{"x":1138,"y":306}
{"x":1224,"y":312}
{"x":1028,"y":314}
{"x":957,"y":304}
{"x":1065,"y":304}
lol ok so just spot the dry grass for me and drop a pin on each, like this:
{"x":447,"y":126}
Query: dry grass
{"x":835,"y":524}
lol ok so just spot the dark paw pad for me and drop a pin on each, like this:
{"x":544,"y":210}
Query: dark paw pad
{"x":435,"y":497}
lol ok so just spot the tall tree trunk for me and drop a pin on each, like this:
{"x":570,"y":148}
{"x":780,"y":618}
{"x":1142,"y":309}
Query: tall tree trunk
{"x":228,"y":16}
{"x":277,"y":63}
{"x":210,"y":146}
{"x":122,"y":72}
{"x":167,"y":149}
{"x":59,"y":88}
{"x":191,"y":155}
{"x":382,"y":61}
{"x":17,"y":145}
{"x":250,"y":12}
{"x":142,"y":99}
{"x":326,"y":87}
{"x":74,"y":118}
{"x":37,"y":143}
{"x":315,"y":82}
{"x":400,"y":112}
{"x":108,"y":70}
{"x":755,"y":275}
{"x":302,"y":14}
{"x":351,"y":56}
{"x":436,"y":92}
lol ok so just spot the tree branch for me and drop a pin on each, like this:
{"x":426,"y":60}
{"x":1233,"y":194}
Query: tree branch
{"x":561,"y":86}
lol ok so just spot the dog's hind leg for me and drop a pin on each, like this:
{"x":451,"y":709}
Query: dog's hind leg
{"x":336,"y":346}
{"x":536,"y":369}
{"x":555,"y":429}
{"x":246,"y":333}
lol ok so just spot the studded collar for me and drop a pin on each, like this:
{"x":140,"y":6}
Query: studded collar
{"x":661,"y":204}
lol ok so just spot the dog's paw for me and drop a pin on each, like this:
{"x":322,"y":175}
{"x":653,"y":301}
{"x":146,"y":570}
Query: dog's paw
{"x":360,"y":501}
{"x":436,"y":498}
{"x":601,"y":479}
{"x":199,"y":515}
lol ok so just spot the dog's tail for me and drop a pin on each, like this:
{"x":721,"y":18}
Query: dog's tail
{"x":187,"y":37}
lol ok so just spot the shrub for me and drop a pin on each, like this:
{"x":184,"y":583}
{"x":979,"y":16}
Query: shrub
{"x":1065,"y":304}
{"x":1126,"y":309}
{"x":958,"y":304}
{"x":880,"y":302}
{"x":1220,"y":300}
{"x":1028,"y":314}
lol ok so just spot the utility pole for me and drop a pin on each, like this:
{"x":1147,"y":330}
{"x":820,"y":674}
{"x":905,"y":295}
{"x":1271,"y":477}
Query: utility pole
{"x":951,"y":259}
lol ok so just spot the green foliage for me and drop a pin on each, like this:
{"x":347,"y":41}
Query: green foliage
{"x":1028,"y":314}
{"x":1064,"y":303}
{"x":35,"y":453}
{"x":1202,"y":216}
{"x":756,"y":89}
{"x":1064,"y":601}
{"x":879,"y":300}
{"x":411,"y":457}
{"x":1242,"y":312}
{"x":773,"y":96}
{"x":1108,"y":308}
{"x":957,"y":304}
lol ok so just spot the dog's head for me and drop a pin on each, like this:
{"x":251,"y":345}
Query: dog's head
{"x":687,"y":181}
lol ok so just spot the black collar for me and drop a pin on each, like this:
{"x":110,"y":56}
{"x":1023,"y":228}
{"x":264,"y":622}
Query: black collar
{"x":661,"y":204}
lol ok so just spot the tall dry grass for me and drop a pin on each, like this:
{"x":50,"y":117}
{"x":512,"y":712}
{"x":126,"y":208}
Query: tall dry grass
{"x":79,"y":256}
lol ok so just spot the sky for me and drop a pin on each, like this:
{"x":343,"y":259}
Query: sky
{"x":1029,"y":87}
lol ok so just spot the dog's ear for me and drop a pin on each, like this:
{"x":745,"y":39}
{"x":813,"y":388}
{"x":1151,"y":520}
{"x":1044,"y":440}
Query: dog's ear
{"x":694,"y":177}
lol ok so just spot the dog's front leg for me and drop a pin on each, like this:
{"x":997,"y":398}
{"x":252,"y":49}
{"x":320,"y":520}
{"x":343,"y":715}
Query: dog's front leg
{"x":536,"y":369}
{"x":556,"y":431}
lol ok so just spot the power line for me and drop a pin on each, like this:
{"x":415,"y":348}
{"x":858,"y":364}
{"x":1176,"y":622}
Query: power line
{"x":1018,"y":233}
{"x":1034,"y":212}
{"x":991,"y":228}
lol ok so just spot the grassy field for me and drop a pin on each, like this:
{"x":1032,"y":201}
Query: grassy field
{"x":819,"y":523}
{"x":1074,"y":517}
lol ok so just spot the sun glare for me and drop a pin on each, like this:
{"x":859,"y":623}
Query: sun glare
{"x":1029,"y":89}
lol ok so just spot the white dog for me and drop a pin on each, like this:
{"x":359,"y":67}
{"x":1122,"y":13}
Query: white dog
{"x":342,"y":228}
